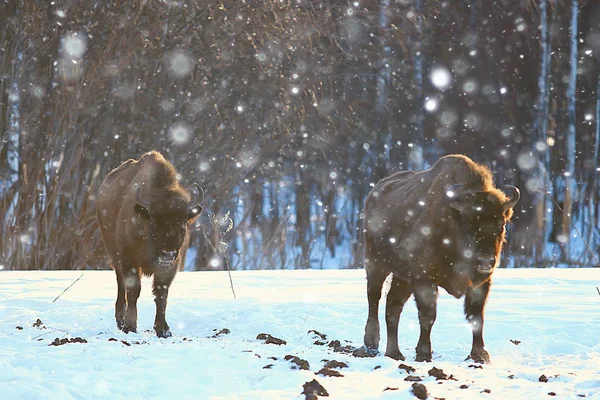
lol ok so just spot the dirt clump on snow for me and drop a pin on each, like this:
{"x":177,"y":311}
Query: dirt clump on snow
{"x":299,"y":363}
{"x":329,"y":372}
{"x":413,"y":378}
{"x":319,"y":334}
{"x":39,"y":324}
{"x":335,"y":364}
{"x":439,"y":374}
{"x":337,"y":347}
{"x":420,"y":391}
{"x":60,"y":342}
{"x":407,"y":368}
{"x":313,"y":389}
{"x":270,"y":339}
{"x":223,"y":331}
{"x":363,"y":352}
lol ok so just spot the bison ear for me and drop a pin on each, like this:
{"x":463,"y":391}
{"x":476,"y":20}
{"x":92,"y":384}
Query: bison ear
{"x":194,"y":212}
{"x":142,"y":211}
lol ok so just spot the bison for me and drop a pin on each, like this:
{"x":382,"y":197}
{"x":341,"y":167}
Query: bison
{"x":144,"y":216}
{"x":445,"y":227}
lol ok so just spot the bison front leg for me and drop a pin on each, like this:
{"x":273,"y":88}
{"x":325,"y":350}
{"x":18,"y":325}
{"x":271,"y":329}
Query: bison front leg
{"x":133,"y":287}
{"x":160,"y":289}
{"x":399,"y":292}
{"x":475,"y":300}
{"x":120,"y":304}
{"x":375,"y":279}
{"x":426,"y":294}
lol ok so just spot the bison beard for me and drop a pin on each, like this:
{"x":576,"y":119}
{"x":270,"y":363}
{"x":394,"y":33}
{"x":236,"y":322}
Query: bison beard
{"x":441,"y":227}
{"x":144,"y":216}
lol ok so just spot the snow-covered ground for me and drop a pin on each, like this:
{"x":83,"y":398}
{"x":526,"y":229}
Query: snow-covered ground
{"x":554,"y":314}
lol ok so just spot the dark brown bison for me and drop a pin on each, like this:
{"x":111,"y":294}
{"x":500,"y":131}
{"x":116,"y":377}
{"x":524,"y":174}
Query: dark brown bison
{"x":441,"y":227}
{"x":144,"y":215}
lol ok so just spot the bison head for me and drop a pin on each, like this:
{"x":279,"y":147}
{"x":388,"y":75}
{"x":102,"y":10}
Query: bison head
{"x":482,"y":217}
{"x":165,"y":218}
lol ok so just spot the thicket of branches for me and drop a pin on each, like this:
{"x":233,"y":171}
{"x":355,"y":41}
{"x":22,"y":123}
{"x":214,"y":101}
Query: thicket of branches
{"x":288,"y":111}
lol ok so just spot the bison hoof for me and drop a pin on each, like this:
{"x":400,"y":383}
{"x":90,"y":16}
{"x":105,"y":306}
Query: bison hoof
{"x":395,"y":355}
{"x":480,"y":356}
{"x":128,"y":329}
{"x":423,"y":357}
{"x":163,"y":333}
{"x":120,"y":323}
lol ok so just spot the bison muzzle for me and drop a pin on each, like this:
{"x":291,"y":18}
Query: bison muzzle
{"x":441,"y":227}
{"x":144,"y":216}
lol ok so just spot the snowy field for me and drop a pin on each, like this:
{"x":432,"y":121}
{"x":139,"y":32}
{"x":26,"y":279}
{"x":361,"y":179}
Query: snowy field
{"x":539,"y":322}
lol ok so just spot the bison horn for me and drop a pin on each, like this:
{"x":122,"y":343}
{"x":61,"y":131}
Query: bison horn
{"x":513,"y":193}
{"x":139,"y":200}
{"x":201,"y":192}
{"x":454,"y":196}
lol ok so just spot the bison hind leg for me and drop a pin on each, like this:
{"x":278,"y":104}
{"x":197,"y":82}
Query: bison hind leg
{"x":426,"y":294}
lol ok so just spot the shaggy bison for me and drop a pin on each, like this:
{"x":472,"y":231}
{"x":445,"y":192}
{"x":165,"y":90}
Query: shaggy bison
{"x":144,"y":216}
{"x":441,"y":227}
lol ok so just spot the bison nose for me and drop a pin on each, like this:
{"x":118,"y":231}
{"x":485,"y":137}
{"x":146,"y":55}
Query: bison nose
{"x":169,"y":254}
{"x":486,"y":265}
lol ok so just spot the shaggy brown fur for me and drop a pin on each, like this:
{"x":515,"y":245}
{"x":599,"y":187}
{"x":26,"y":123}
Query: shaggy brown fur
{"x":144,"y":216}
{"x":441,"y":227}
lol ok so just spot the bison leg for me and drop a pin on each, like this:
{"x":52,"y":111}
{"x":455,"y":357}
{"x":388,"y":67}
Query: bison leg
{"x":120,"y":304}
{"x":134,"y":286}
{"x":426,"y":294}
{"x":399,"y":292}
{"x":474,"y":304}
{"x":160,"y":288}
{"x":375,"y":279}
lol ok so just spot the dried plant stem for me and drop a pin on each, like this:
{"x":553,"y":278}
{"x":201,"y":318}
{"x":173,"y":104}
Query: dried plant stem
{"x":229,"y":272}
{"x":69,"y":287}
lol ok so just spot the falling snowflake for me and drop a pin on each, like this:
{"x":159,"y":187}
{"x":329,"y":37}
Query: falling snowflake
{"x":431,"y":104}
{"x":74,"y":45}
{"x":214,"y":262}
{"x":179,"y":64}
{"x":470,"y":86}
{"x":180,"y":133}
{"x":440,"y":77}
{"x":526,"y":161}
